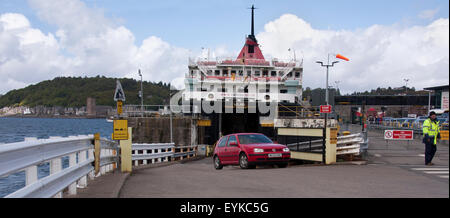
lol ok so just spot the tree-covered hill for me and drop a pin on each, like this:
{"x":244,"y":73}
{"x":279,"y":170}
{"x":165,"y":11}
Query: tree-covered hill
{"x":73,"y":92}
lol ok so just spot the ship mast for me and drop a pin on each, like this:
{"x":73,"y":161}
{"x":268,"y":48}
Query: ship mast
{"x":252,"y":36}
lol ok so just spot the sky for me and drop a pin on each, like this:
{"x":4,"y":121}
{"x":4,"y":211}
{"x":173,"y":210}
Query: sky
{"x":386,"y":41}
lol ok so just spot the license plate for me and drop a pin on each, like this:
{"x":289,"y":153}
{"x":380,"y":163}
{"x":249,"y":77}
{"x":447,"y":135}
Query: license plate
{"x":274,"y":155}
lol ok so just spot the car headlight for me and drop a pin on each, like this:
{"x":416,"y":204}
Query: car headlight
{"x":285,"y":149}
{"x":258,"y":150}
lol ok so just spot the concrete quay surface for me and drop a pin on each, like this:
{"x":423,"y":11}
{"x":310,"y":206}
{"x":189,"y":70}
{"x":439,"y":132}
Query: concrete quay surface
{"x":393,"y":170}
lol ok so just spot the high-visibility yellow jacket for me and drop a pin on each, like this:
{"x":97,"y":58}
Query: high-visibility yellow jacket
{"x":431,"y":128}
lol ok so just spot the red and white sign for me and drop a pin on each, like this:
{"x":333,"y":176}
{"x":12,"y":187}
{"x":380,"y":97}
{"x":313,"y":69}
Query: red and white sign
{"x":399,"y":134}
{"x":325,"y":109}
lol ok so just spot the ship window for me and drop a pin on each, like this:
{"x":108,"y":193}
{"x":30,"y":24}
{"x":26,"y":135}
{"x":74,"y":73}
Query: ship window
{"x":273,"y":73}
{"x":209,"y":72}
{"x":249,"y":73}
{"x":297,"y":74}
{"x":225,"y":72}
{"x":257,"y":73}
{"x":265,"y":73}
{"x":283,"y":90}
{"x":281,"y":73}
{"x":233,"y":71}
{"x":217,"y":72}
{"x":241,"y":73}
{"x":251,"y":49}
{"x":290,"y":74}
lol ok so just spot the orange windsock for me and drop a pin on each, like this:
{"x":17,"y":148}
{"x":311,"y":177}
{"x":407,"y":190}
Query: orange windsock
{"x":342,"y":57}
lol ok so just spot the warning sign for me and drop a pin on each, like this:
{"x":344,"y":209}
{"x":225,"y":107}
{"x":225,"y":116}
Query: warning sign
{"x":399,"y":134}
{"x":325,"y":109}
{"x":119,"y":94}
{"x":120,"y":130}
{"x":119,"y":107}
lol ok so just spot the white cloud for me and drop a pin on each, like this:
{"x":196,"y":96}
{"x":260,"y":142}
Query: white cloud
{"x":379,"y":55}
{"x":87,"y":43}
{"x":428,"y":14}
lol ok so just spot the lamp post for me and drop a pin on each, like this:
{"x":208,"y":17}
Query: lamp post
{"x":295,"y":58}
{"x":406,"y":85}
{"x":141,"y":94}
{"x":337,"y":85}
{"x":328,"y":65}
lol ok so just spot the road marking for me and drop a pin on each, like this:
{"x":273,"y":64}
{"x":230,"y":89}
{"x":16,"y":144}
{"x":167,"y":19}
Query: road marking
{"x":377,"y":155}
{"x":421,"y":155}
{"x":430,"y":169}
{"x":436,"y":172}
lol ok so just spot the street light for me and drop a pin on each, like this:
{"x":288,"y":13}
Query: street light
{"x":295,"y":58}
{"x":141,"y":94}
{"x":406,"y":85}
{"x":327,"y":66}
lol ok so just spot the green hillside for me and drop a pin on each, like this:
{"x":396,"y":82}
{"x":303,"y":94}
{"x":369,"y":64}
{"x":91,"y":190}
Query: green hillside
{"x":73,"y":92}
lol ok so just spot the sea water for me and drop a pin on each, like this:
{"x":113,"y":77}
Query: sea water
{"x":17,"y":129}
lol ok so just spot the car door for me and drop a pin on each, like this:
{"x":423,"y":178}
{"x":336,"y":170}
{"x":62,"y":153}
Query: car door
{"x":221,"y":145}
{"x":233,"y":150}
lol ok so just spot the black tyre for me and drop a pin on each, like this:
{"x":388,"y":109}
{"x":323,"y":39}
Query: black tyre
{"x":217,"y":163}
{"x":282,"y":165}
{"x":243,"y":161}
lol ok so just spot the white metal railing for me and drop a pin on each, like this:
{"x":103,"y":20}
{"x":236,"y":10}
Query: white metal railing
{"x":144,"y":154}
{"x":27,"y":155}
{"x":274,"y":62}
{"x":349,"y":144}
{"x":151,"y":153}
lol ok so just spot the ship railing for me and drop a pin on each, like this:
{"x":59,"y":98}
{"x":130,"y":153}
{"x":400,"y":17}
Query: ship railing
{"x":144,"y":110}
{"x":228,"y":61}
{"x":31,"y":155}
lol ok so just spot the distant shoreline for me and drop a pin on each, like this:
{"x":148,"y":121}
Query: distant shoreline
{"x":54,"y":117}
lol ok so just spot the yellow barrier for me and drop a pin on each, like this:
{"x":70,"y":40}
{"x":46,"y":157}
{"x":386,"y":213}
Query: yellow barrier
{"x":125,"y":152}
{"x":444,"y":135}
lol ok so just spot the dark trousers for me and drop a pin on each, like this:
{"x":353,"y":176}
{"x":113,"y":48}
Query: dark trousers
{"x":430,"y":150}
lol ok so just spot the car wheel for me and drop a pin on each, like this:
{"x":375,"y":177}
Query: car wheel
{"x":283,"y":165}
{"x":217,"y":163}
{"x":243,"y":161}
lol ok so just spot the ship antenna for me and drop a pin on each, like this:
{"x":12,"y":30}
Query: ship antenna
{"x":253,"y":23}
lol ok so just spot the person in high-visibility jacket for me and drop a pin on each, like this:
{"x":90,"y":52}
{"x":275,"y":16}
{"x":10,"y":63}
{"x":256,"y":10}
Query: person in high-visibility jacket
{"x":431,"y":133}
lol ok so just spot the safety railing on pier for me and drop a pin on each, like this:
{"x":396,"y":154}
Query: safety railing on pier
{"x":416,"y":127}
{"x":144,"y":154}
{"x":31,"y":153}
{"x":349,"y":144}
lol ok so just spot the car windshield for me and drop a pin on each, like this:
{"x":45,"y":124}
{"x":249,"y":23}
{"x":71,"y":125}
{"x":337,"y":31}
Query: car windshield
{"x":253,"y":139}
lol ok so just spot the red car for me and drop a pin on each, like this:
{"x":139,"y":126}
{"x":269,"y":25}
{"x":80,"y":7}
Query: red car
{"x":249,"y":150}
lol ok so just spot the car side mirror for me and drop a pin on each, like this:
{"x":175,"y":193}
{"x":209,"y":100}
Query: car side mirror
{"x":233,"y":144}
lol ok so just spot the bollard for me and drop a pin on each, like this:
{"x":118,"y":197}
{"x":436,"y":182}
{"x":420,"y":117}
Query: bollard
{"x":97,"y":152}
{"x":125,"y":153}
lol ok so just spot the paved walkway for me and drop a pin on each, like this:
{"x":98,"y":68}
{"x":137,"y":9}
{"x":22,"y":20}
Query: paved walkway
{"x":393,"y":170}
